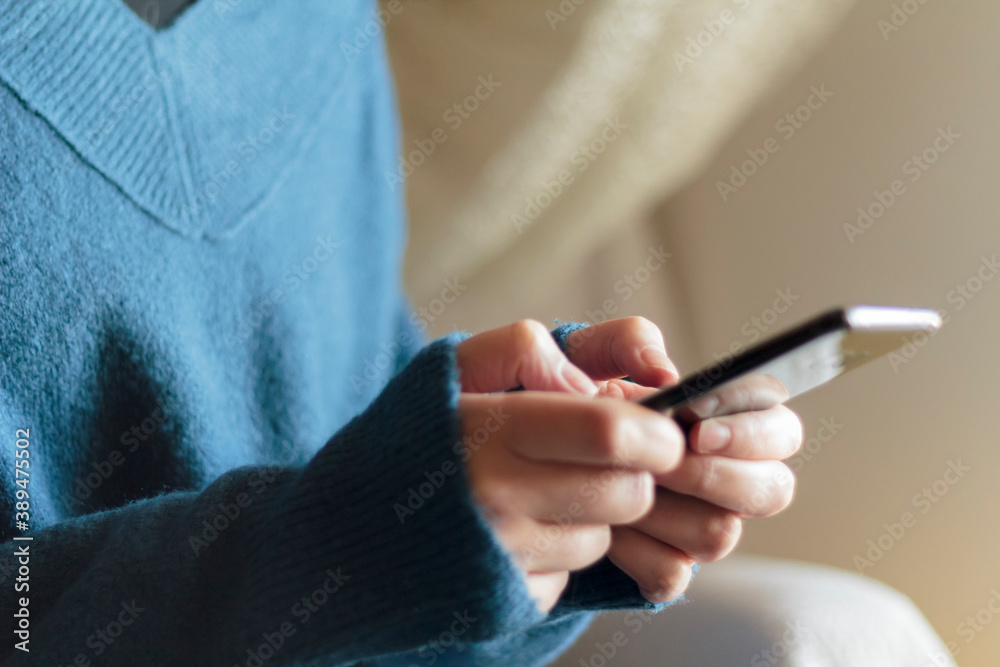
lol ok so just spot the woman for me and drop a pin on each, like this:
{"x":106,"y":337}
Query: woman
{"x":199,"y":253}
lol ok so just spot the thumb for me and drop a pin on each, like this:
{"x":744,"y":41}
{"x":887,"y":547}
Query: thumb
{"x":522,"y":354}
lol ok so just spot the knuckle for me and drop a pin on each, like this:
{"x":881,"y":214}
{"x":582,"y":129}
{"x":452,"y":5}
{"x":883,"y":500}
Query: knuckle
{"x":742,"y":395}
{"x":528,"y":335}
{"x":671,"y":579}
{"x":595,"y":542}
{"x":639,"y":494}
{"x":519,"y":536}
{"x":607,"y":428}
{"x":673,"y":452}
{"x":795,"y":429}
{"x":640,"y":327}
{"x":624,"y":496}
{"x":546,"y":589}
{"x":632,"y":333}
{"x":721,"y":535}
{"x":495,"y":496}
{"x":750,"y":433}
{"x":786,"y":490}
{"x":776,"y":493}
{"x":705,"y":481}
{"x":778,"y":390}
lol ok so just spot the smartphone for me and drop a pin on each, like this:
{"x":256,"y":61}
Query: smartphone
{"x":793,"y":362}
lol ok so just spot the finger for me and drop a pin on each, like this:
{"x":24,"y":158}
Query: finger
{"x":630,"y":346}
{"x":775,"y":433}
{"x":751,"y":392}
{"x":523,"y":354}
{"x":546,"y":588}
{"x":560,"y":493}
{"x":703,"y":531}
{"x":623,"y":389}
{"x":557,"y":427}
{"x":751,"y":488}
{"x":662,"y":572}
{"x":551,"y":547}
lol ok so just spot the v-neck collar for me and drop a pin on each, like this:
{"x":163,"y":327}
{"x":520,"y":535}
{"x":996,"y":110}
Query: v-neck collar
{"x":194,"y":122}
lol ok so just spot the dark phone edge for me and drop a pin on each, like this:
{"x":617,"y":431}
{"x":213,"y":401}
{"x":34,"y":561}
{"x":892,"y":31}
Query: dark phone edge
{"x":716,"y":374}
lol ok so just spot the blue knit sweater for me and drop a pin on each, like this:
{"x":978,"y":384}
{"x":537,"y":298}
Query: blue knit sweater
{"x":213,"y":401}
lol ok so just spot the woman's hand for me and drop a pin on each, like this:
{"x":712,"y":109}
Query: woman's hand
{"x":551,"y":467}
{"x":732,"y":469}
{"x":564,"y":478}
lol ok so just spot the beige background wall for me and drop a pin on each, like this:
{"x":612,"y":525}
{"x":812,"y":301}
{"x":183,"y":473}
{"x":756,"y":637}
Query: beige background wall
{"x":784,"y":230}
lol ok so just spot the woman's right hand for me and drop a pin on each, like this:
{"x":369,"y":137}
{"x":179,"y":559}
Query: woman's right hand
{"x":555,"y":466}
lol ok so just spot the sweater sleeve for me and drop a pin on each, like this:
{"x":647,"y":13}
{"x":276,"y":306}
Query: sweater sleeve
{"x":600,"y":587}
{"x":373,"y":549}
{"x":537,"y":644}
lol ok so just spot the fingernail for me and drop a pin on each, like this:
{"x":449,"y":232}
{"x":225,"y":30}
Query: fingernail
{"x":656,"y":356}
{"x":578,"y":380}
{"x":713,"y":436}
{"x":705,"y":406}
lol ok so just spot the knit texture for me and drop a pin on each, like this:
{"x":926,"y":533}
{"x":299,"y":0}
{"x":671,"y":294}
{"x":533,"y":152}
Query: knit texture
{"x":239,"y":454}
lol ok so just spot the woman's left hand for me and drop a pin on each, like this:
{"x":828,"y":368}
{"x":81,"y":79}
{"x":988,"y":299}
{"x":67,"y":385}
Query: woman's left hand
{"x":733,"y":469}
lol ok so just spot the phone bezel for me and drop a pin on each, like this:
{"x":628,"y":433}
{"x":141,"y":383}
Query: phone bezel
{"x":858,"y":318}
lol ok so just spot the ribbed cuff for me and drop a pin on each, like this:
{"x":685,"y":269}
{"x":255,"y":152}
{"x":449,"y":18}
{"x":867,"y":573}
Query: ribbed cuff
{"x":603,"y":586}
{"x":563,"y":330}
{"x":387,"y":503}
